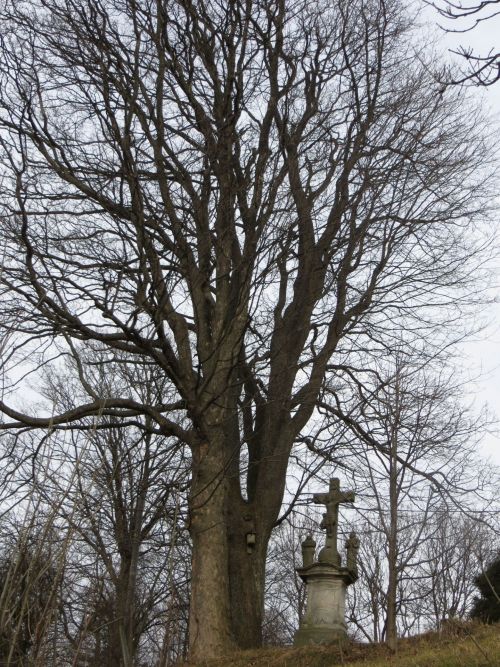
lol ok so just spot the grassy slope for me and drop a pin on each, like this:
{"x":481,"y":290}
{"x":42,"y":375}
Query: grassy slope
{"x":465,"y":645}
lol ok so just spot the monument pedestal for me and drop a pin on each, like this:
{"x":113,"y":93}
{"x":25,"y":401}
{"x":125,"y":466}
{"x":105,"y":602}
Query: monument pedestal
{"x":323,"y":621}
{"x":326,"y":580}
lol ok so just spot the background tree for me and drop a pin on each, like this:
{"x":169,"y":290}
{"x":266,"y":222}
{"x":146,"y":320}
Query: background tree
{"x":241,"y":195}
{"x":417,"y":437}
{"x":487,"y":607}
{"x":118,"y":497}
{"x":424,"y":511}
{"x":32,"y":562}
{"x":452,"y":558}
{"x":138,"y":482}
{"x":123,"y":555}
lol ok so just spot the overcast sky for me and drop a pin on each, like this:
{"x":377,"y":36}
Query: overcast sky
{"x":483,"y":355}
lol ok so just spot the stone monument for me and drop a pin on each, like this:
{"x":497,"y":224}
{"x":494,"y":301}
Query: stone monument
{"x":326,"y":579}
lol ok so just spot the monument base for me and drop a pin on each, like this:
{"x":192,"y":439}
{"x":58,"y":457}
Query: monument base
{"x":323,"y":621}
{"x":305,"y":636}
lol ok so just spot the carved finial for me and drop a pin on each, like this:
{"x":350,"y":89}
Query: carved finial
{"x":352,"y":547}
{"x":308,"y":550}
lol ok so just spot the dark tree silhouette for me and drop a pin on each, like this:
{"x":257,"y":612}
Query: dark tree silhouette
{"x":487,"y":607}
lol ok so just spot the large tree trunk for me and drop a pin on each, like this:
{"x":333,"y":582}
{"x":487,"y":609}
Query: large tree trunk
{"x":228,"y":578}
{"x":210,"y":630}
{"x":230,"y":537}
{"x":122,"y":636}
{"x":227,"y":585}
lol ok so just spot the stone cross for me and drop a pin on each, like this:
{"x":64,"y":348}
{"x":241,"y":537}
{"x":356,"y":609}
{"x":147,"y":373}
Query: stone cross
{"x":332,"y":500}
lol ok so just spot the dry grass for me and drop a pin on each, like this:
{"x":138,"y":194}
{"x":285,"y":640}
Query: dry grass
{"x":461,"y":645}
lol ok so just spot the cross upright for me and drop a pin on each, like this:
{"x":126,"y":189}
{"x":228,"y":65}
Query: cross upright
{"x":332,"y":500}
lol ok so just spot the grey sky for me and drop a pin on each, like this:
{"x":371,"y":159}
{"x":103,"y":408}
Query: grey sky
{"x":483,"y":355}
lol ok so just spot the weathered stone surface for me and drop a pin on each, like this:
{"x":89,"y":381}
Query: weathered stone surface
{"x":308,"y":550}
{"x":352,"y":548}
{"x":332,"y":500}
{"x":323,"y":621}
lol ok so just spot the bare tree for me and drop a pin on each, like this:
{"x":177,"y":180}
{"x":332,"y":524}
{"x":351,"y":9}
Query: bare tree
{"x":235,"y":194}
{"x":124,"y":497}
{"x":32,"y":564}
{"x":120,"y":496}
{"x":123,"y":509}
{"x":453,"y":555}
{"x":416,"y":440}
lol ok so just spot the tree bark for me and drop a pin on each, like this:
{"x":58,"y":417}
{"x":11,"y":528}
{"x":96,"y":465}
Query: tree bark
{"x":210,"y":629}
{"x":122,"y":636}
{"x":247,"y":565}
{"x":391,"y":619}
{"x":391,"y":626}
{"x":230,"y":537}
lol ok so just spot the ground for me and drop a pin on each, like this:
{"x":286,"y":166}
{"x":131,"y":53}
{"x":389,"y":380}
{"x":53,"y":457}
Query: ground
{"x":460,"y":645}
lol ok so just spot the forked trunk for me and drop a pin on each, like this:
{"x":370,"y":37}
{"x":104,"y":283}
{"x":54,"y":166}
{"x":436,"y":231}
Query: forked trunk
{"x":228,"y":564}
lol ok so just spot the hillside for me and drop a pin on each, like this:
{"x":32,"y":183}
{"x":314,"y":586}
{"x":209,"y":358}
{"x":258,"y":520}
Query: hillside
{"x":464,"y":645}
